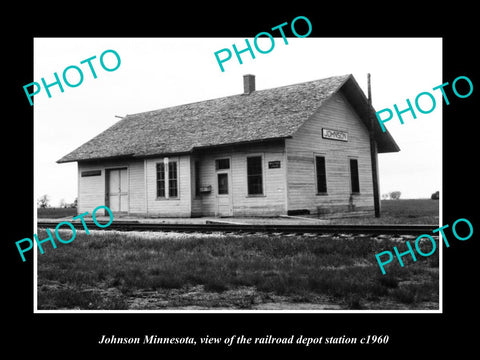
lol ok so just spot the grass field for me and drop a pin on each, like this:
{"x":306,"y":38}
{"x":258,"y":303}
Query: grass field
{"x":54,"y":212}
{"x":405,"y":211}
{"x":116,"y":271}
{"x":113,"y":270}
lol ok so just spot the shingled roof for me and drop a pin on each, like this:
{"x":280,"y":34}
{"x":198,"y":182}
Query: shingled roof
{"x":259,"y":116}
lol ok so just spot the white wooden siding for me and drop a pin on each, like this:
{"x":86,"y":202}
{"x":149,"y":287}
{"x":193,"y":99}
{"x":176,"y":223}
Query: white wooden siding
{"x":272,"y":202}
{"x":136,"y":187}
{"x":280,"y":192}
{"x":180,"y":206}
{"x":92,"y":189}
{"x":336,"y":113}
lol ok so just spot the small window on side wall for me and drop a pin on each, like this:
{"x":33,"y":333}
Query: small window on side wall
{"x":355,"y":182}
{"x":321,"y":174}
{"x":222,"y":164}
{"x":197,"y":177}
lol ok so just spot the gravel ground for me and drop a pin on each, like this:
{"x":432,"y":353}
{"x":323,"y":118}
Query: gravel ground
{"x":204,"y":220}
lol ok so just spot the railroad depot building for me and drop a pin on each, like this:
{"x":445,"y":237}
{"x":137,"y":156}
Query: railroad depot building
{"x":302,"y":148}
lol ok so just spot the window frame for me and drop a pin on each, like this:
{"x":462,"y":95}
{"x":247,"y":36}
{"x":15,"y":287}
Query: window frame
{"x":325,"y":180}
{"x":222,"y":170}
{"x":196,"y":169}
{"x":352,"y":177}
{"x":262,"y":174}
{"x":170,"y":179}
{"x":223,"y":173}
{"x":158,"y":180}
{"x":219,"y":160}
{"x":167,"y":180}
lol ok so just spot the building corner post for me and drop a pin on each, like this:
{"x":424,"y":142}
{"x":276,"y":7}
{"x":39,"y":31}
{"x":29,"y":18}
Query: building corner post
{"x":373,"y":154}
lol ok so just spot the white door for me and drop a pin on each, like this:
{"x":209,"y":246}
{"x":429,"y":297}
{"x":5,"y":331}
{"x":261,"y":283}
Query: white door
{"x":118,"y":190}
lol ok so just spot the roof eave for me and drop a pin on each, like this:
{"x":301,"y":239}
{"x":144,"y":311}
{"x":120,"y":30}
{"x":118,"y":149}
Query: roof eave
{"x":352,"y":90}
{"x":104,"y":158}
{"x":239,"y":143}
{"x":178,"y":153}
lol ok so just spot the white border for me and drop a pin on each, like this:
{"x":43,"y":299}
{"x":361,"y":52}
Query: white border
{"x":35,"y":281}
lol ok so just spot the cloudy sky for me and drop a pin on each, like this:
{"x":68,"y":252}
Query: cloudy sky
{"x":161,"y":72}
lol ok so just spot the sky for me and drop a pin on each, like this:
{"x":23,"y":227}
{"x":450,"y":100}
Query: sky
{"x":155,"y":73}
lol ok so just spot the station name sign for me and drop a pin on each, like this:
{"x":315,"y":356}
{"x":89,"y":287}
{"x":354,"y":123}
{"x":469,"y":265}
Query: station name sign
{"x":334,"y":134}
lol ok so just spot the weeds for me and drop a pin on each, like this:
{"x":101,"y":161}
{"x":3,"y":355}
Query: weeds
{"x":300,"y":267}
{"x":74,"y":298}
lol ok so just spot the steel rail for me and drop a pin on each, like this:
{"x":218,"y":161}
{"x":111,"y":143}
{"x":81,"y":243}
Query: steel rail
{"x":400,"y":229}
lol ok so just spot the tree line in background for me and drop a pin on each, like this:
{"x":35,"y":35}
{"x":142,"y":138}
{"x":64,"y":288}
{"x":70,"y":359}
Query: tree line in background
{"x":395,"y":195}
{"x":44,"y":202}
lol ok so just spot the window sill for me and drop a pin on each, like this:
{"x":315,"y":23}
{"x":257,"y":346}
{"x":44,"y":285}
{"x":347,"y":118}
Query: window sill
{"x":256,"y":196}
{"x":322,"y":194}
{"x":163,"y":198}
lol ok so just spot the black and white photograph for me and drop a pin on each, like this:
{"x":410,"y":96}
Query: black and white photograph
{"x":298,"y":181}
{"x":242,"y":187}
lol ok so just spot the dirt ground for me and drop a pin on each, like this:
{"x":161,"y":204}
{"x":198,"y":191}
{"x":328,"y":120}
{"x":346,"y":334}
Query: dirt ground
{"x":241,"y":298}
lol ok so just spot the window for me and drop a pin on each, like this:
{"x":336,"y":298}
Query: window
{"x":197,"y":177}
{"x":321,"y":174}
{"x":222,"y":183}
{"x":354,"y":176}
{"x":222,"y":164}
{"x":172,"y":179}
{"x":91,"y":173}
{"x":161,"y":180}
{"x":164,"y":178}
{"x":255,"y":175}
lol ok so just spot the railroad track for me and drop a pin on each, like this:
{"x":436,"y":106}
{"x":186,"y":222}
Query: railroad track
{"x":247,"y":228}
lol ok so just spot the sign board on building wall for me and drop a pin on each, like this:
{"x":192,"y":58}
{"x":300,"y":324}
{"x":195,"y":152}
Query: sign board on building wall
{"x":334,"y":134}
{"x":274,"y":164}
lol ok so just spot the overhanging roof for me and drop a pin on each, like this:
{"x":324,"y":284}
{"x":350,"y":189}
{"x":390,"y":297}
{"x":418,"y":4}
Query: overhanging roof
{"x":259,"y":116}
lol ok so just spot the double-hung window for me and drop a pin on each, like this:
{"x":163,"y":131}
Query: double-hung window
{"x":254,"y":175}
{"x":167,"y":181}
{"x":160,"y":180}
{"x":172,"y":179}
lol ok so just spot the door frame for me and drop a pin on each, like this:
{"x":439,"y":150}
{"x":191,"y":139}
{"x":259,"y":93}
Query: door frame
{"x":107,"y":188}
{"x":228,"y":196}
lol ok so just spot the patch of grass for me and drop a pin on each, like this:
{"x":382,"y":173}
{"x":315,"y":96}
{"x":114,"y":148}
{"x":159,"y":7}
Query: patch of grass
{"x":414,"y":292}
{"x":342,"y":269}
{"x":402,"y":211}
{"x":53,"y":212}
{"x":354,"y":303}
{"x":404,"y":295}
{"x":388,"y":281}
{"x":410,"y":207}
{"x":74,"y":298}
